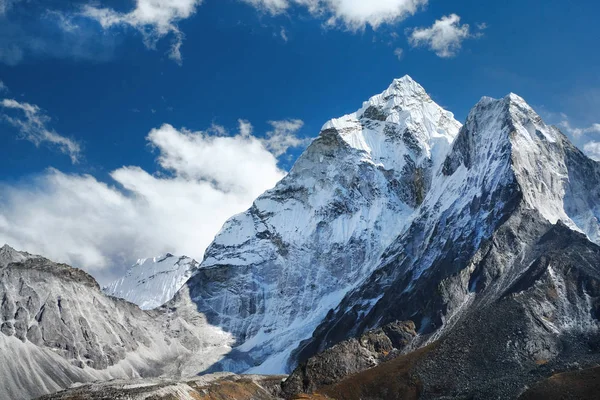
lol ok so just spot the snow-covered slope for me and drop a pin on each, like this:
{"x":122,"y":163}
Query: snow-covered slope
{"x":274,"y":272}
{"x":152,"y":282}
{"x":58,"y":328}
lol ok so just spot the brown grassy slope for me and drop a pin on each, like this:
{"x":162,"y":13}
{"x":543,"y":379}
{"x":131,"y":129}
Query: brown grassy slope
{"x":576,"y":385}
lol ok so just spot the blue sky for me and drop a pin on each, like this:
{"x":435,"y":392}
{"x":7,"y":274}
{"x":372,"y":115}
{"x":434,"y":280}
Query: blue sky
{"x":98,"y":77}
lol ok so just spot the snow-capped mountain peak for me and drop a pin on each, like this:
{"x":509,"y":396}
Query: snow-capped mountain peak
{"x":403,"y":120}
{"x":151,"y":282}
{"x":542,"y":159}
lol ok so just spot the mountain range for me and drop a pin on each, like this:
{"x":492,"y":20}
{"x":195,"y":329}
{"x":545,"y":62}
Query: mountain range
{"x":433,"y":259}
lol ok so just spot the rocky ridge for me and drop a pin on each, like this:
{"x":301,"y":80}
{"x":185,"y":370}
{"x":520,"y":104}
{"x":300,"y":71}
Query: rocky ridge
{"x":58,"y":328}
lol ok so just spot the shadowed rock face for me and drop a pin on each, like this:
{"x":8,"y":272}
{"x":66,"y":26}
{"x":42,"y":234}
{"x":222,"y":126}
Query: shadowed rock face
{"x":350,"y":357}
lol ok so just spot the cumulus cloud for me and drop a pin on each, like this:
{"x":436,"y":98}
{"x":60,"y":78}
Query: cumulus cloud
{"x":444,"y":37}
{"x":593,"y":150}
{"x":155,"y":19}
{"x":203,"y":178}
{"x":354,"y":14}
{"x":31,"y":123}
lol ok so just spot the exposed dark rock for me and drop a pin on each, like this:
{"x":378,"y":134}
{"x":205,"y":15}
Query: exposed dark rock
{"x":350,"y":357}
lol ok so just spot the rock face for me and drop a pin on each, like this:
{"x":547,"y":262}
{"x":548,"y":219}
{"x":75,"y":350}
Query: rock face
{"x":58,"y":328}
{"x":349,"y":357}
{"x":273,"y":273}
{"x":151,"y":282}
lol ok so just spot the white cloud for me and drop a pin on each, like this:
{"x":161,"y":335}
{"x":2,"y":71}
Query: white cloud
{"x":593,"y":150}
{"x":283,"y":136}
{"x":444,"y":37}
{"x":354,"y":14}
{"x":3,"y":87}
{"x":577,"y":132}
{"x":155,"y":19}
{"x":203,"y":179}
{"x":399,"y":53}
{"x":31,"y":123}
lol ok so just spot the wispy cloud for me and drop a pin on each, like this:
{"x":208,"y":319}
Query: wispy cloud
{"x":31,"y":123}
{"x":6,"y":5}
{"x":50,"y":34}
{"x":283,"y":34}
{"x":566,"y":126}
{"x":3,"y":87}
{"x":585,"y":137}
{"x":154,"y":19}
{"x":445,"y":37}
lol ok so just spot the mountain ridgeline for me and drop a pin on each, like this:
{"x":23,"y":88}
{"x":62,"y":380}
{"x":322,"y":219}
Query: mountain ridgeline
{"x":463,"y":260}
